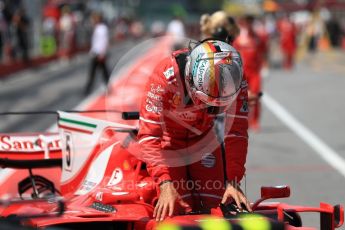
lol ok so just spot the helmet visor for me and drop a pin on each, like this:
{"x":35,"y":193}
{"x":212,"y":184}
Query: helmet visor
{"x":216,"y":101}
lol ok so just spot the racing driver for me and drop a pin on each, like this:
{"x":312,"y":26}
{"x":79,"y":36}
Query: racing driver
{"x":193,"y":129}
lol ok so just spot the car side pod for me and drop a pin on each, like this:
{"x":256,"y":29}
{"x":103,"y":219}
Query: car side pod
{"x":270,"y":192}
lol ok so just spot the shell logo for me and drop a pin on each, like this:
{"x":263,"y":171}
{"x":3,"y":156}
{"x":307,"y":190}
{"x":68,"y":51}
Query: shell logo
{"x":176,"y":100}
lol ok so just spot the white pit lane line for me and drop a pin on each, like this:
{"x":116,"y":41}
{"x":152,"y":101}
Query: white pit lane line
{"x":320,"y":147}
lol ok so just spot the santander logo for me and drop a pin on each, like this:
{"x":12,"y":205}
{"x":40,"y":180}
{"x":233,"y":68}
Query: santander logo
{"x":29,"y":143}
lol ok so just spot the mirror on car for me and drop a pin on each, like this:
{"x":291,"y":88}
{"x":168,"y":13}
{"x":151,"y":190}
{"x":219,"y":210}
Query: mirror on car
{"x":130,"y":115}
{"x":338,"y":215}
{"x":281,"y":191}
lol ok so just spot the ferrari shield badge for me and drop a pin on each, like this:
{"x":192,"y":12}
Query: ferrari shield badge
{"x":116,"y":177}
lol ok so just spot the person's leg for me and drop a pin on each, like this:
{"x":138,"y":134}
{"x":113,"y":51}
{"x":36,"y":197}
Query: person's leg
{"x":1,"y":47}
{"x":290,"y":60}
{"x":25,"y":54}
{"x":105,"y":71}
{"x":92,"y":73}
{"x":255,"y":117}
{"x":254,"y":83}
{"x":285,"y":59}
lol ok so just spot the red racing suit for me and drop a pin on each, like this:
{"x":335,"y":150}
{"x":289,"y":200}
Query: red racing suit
{"x":252,"y":50}
{"x":178,"y":141}
{"x":288,"y":44}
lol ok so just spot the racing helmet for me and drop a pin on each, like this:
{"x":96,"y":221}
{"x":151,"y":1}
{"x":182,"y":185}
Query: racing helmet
{"x":213,"y":74}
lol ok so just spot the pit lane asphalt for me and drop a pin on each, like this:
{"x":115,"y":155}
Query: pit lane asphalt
{"x":56,"y":86}
{"x":312,"y":92}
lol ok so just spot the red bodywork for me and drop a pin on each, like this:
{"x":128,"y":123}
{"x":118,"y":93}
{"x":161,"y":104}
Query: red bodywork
{"x":114,"y":179}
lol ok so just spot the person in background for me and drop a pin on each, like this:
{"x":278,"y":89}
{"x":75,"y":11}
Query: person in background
{"x":51,"y":16}
{"x":315,"y":29}
{"x":263,"y":32}
{"x":334,"y":31}
{"x":3,"y":27}
{"x":99,"y":47}
{"x":176,"y":29}
{"x":223,"y":27}
{"x":157,"y":28}
{"x":287,"y":31}
{"x":253,"y":53}
{"x":21,"y":27}
{"x":137,"y":29}
{"x":218,"y":25}
{"x":121,"y":29}
{"x":66,"y":30}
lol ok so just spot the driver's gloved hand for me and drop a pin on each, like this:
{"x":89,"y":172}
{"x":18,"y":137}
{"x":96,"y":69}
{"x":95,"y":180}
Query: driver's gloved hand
{"x":232,"y":209}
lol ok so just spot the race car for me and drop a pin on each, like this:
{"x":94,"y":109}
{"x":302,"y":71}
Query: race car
{"x":93,"y":180}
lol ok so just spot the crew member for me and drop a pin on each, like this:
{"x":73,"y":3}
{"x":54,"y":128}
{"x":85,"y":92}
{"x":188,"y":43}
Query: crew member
{"x":287,"y":31}
{"x":252,"y":51}
{"x":99,"y":49}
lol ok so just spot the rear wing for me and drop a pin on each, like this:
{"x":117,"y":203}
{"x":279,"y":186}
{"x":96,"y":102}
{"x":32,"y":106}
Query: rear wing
{"x":30,"y":150}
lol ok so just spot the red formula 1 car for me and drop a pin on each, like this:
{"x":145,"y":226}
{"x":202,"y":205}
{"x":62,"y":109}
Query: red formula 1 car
{"x":92,"y":180}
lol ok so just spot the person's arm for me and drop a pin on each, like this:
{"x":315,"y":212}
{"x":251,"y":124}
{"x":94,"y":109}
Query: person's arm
{"x":236,"y":146}
{"x":154,"y":102}
{"x":151,"y":124}
{"x":236,"y":138}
